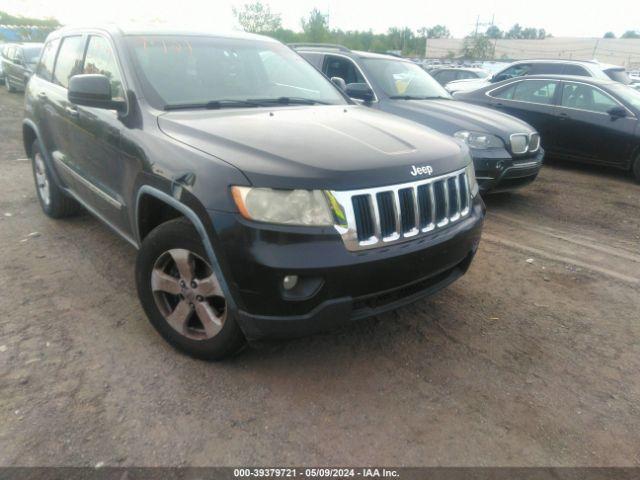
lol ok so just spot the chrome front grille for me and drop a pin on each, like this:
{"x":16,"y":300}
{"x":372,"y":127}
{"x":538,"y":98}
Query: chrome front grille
{"x":375,"y":217}
{"x":522,"y":143}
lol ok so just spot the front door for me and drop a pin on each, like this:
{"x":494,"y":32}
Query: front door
{"x":591,"y":134}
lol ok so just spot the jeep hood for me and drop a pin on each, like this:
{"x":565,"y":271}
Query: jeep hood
{"x":332,"y":147}
{"x":451,"y":116}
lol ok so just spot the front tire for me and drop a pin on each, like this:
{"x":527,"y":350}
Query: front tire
{"x":54,"y":202}
{"x":181,"y":294}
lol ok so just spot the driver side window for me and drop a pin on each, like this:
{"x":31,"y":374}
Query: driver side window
{"x":344,"y":68}
{"x":514,"y":71}
{"x":585,"y":97}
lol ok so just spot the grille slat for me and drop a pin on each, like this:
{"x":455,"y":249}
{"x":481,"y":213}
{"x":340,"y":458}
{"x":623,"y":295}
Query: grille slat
{"x":386,"y":215}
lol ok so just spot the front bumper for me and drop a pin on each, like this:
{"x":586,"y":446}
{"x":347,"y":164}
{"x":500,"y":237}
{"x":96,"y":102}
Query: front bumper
{"x":336,"y":285}
{"x":498,"y":171}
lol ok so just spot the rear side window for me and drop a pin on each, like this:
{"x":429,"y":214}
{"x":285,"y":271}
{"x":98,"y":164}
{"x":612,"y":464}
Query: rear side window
{"x":618,"y":75}
{"x":69,"y":61}
{"x":575,"y":70}
{"x":546,"y":69}
{"x":45,"y":67}
{"x":100,"y":59}
{"x":531,"y":91}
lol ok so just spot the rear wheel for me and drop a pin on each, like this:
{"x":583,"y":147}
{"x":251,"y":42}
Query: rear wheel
{"x":636,"y":169}
{"x":7,"y":83}
{"x":181,"y":294}
{"x":54,"y":202}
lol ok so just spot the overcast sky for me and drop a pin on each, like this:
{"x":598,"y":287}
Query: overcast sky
{"x":582,"y":18}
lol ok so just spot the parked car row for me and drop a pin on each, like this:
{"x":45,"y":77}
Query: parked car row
{"x":590,"y":120}
{"x":591,"y":69}
{"x":506,"y":151}
{"x":18,"y":62}
{"x":271,"y":198}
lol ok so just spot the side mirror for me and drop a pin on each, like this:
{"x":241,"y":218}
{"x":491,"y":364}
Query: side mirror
{"x":361,"y":91}
{"x":339,"y":82}
{"x":93,"y":91}
{"x":617,"y":112}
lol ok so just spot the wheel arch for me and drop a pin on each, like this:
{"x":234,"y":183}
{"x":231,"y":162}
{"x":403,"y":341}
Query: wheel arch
{"x":148,"y":195}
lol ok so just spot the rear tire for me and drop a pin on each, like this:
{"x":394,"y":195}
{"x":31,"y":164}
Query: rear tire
{"x":635,"y":169}
{"x":7,"y":83}
{"x":181,"y":294}
{"x":54,"y":202}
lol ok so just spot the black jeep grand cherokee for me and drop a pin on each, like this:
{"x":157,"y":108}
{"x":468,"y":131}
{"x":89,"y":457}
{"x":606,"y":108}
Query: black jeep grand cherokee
{"x":262,"y":200}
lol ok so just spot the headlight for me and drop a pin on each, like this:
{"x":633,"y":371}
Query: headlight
{"x":471,"y":177}
{"x":292,"y":207}
{"x":479,"y":140}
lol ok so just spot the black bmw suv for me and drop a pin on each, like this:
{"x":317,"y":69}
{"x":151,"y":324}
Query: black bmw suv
{"x":506,"y":151}
{"x":263,"y":202}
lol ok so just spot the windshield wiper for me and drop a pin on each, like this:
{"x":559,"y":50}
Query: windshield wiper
{"x":414,"y":97}
{"x":288,"y":101}
{"x":212,"y":105}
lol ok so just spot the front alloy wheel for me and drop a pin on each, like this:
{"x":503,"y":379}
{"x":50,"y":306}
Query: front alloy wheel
{"x":181,"y":294}
{"x":188,"y":294}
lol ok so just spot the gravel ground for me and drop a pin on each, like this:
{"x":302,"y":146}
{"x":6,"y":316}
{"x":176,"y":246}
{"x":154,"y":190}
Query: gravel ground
{"x":531,"y":359}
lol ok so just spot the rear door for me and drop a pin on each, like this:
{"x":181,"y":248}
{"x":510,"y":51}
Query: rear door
{"x":39,"y":94}
{"x":590,"y":133}
{"x":533,"y":101}
{"x":62,"y":114}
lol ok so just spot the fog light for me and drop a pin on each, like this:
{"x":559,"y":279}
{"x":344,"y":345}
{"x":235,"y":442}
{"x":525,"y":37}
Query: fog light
{"x":290,"y":281}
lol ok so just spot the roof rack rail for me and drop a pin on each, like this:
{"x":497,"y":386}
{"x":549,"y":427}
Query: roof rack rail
{"x":342,"y":48}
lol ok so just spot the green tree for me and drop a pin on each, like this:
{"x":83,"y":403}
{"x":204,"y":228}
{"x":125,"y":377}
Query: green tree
{"x":494,"y":32}
{"x":438,"y":31}
{"x":6,"y":19}
{"x":609,"y":35}
{"x":631,"y":34}
{"x":514,"y":32}
{"x":257,"y":18}
{"x":477,"y":47}
{"x":315,"y":27}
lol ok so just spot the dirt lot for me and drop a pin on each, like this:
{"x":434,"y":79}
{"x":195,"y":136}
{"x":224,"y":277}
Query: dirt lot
{"x":531,"y":359}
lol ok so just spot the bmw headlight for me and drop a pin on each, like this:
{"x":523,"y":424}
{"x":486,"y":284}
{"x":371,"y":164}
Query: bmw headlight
{"x":470,"y":171}
{"x":479,"y":140}
{"x":291,"y":207}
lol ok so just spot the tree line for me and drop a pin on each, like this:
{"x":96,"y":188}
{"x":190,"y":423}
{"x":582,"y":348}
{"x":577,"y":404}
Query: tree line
{"x":257,"y":17}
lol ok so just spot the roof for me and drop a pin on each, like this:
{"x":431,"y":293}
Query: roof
{"x":603,"y":66}
{"x":592,"y":80}
{"x":329,"y":47}
{"x":137,"y":29}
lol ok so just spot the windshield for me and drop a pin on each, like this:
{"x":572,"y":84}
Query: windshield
{"x":403,"y":79}
{"x":618,"y":75}
{"x":223,"y":72}
{"x":31,"y":54}
{"x":628,"y":94}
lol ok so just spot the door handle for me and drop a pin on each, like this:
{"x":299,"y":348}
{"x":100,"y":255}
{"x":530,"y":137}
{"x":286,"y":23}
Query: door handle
{"x":71,"y":111}
{"x":563,"y":116}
